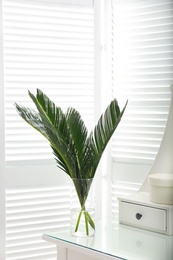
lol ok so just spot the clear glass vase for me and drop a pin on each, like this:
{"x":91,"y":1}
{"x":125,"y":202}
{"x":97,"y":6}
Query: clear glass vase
{"x":82,"y":208}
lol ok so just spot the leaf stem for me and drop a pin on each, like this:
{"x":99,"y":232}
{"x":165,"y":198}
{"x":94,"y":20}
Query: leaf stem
{"x":88,"y":221}
{"x":78,"y":221}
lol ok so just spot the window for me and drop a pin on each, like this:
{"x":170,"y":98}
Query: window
{"x":47,"y":45}
{"x":51,"y":47}
{"x":142,"y":71}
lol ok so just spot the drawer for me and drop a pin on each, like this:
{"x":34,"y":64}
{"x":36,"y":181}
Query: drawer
{"x":143,"y":216}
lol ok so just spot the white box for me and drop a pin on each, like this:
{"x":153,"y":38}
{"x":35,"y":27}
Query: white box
{"x":161,"y":188}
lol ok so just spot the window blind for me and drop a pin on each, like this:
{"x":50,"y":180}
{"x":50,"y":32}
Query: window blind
{"x":32,"y":211}
{"x":48,"y":46}
{"x":142,"y":71}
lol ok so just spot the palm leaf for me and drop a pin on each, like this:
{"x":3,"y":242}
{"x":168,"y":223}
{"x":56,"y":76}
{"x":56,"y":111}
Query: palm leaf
{"x":32,"y":118}
{"x":78,"y":132}
{"x":49,"y":112}
{"x":75,"y":153}
{"x":101,"y":135}
{"x":52,"y":124}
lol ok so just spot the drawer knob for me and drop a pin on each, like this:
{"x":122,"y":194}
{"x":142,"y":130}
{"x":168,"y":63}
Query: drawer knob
{"x":138,"y":216}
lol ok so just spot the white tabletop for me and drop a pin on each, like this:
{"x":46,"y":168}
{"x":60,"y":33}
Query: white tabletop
{"x":112,"y":240}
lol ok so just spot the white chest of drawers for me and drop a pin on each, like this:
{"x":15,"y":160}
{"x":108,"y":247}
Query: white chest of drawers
{"x":138,"y":211}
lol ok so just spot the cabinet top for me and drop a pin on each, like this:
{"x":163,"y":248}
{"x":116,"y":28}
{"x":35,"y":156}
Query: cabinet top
{"x":113,"y":240}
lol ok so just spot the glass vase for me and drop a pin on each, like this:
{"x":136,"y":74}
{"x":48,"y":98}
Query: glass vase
{"x":82,"y":208}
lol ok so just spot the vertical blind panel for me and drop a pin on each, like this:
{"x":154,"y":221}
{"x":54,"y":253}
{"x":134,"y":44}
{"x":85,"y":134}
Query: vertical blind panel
{"x":51,"y":47}
{"x":142,"y":71}
{"x":31,"y":212}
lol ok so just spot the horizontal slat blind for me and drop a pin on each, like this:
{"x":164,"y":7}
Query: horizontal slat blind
{"x":47,"y":45}
{"x":51,"y":47}
{"x":142,"y":70}
{"x":31,"y":212}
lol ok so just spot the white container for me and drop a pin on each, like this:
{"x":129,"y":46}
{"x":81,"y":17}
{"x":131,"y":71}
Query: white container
{"x":161,"y":188}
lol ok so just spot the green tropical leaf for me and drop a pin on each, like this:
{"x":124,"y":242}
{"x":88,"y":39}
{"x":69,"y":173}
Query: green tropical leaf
{"x":101,"y":135}
{"x":76,"y":153}
{"x":78,"y":132}
{"x":31,"y":117}
{"x":52,"y":124}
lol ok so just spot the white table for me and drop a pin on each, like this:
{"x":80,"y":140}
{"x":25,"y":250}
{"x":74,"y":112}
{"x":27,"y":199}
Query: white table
{"x":112,"y":242}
